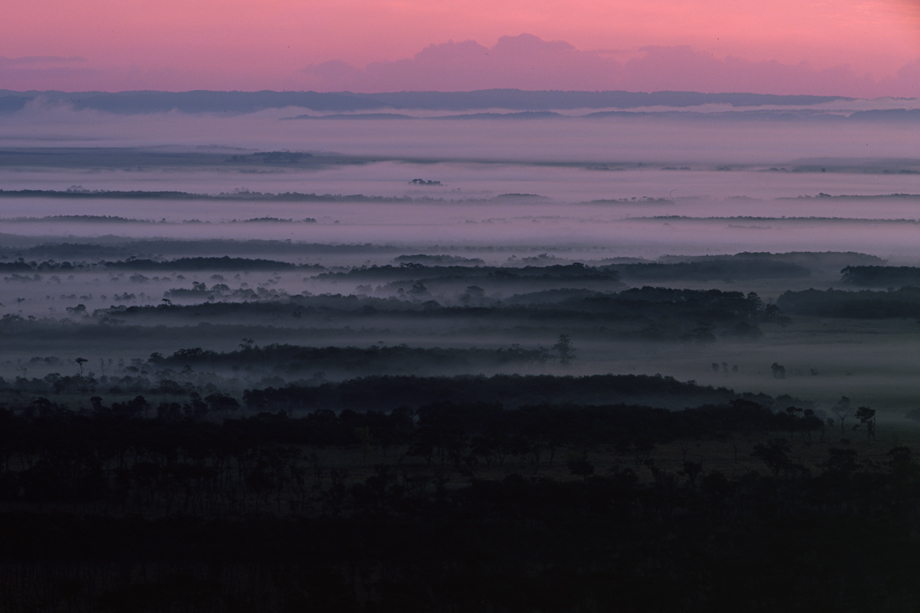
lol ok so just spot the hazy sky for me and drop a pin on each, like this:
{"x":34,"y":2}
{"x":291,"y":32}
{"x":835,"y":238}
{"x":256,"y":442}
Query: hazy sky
{"x":849,"y":47}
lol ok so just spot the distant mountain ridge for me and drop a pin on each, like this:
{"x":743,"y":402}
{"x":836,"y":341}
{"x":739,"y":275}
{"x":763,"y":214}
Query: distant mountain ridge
{"x":135,"y":102}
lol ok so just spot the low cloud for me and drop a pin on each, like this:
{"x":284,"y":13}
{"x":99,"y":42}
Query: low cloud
{"x":530,"y":63}
{"x":516,"y":62}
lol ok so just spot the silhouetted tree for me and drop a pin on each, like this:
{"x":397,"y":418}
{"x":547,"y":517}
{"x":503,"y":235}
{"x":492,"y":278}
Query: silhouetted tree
{"x":565,"y":349}
{"x":775,"y":454}
{"x":866,"y":417}
{"x":842,"y":411}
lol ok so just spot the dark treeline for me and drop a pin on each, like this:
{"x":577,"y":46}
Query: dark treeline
{"x":292,"y":359}
{"x":745,"y":265}
{"x":429,"y":269}
{"x":106,"y":219}
{"x":423,"y":273}
{"x":881,"y":276}
{"x":117,"y":247}
{"x":438,"y":259}
{"x":117,"y":512}
{"x":174,"y":195}
{"x":117,"y":459}
{"x":861,"y":198}
{"x":133,"y":457}
{"x":180,"y":264}
{"x":734,"y":268}
{"x":43,"y":427}
{"x":656,"y":314}
{"x":200,"y":291}
{"x":809,"y":259}
{"x":203,"y":263}
{"x":712,"y":269}
{"x":383,"y":393}
{"x":647,"y":313}
{"x":272,"y":157}
{"x":864,"y":304}
{"x":783,"y":219}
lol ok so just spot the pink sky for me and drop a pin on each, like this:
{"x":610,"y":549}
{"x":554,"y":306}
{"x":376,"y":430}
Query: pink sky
{"x":863,"y":48}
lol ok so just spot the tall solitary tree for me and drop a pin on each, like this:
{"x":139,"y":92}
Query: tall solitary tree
{"x":842,"y":411}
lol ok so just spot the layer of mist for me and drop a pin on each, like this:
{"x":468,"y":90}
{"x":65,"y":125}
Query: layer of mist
{"x":494,"y":350}
{"x":688,"y":232}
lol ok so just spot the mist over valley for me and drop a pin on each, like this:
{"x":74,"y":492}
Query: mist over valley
{"x":455,"y":339}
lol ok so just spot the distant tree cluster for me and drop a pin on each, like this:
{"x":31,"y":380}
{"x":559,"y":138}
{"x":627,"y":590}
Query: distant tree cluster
{"x":427,"y":272}
{"x":384,"y":392}
{"x":224,"y":263}
{"x":640,"y":313}
{"x":714,"y":269}
{"x":271,"y":157}
{"x":881,"y":276}
{"x":864,"y":304}
{"x":292,"y":359}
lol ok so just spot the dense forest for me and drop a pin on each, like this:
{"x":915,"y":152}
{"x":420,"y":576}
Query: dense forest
{"x":469,"y":505}
{"x":359,"y":428}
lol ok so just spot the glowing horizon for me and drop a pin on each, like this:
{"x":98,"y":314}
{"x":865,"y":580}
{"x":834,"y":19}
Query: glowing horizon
{"x":870,"y":47}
